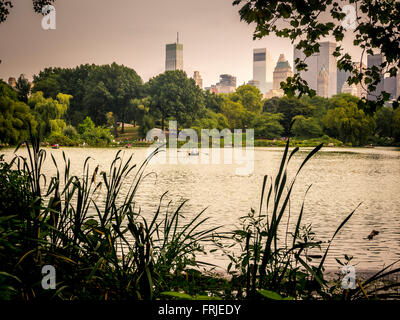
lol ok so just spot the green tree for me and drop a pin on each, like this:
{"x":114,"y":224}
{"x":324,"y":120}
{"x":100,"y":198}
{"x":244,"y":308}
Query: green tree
{"x":23,"y":87}
{"x":146,"y":125}
{"x":267,"y":126}
{"x":15,"y":117}
{"x":250,"y":97}
{"x":175,"y":95}
{"x":384,"y":121}
{"x":49,"y":112}
{"x":306,"y":127}
{"x":289,"y":107}
{"x":348,"y":123}
{"x":213,"y":101}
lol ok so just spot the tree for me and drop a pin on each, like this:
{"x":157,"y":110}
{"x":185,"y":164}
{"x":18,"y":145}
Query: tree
{"x":307,"y":22}
{"x":235,"y":113}
{"x":384,"y":122}
{"x":213,"y":101}
{"x":96,"y":90}
{"x":173,"y":94}
{"x":146,"y":125}
{"x":49,"y":112}
{"x":306,"y":127}
{"x":112,"y":122}
{"x":267,"y":126}
{"x":289,"y":107}
{"x":23,"y":87}
{"x":250,"y":97}
{"x":15,"y":117}
{"x":348,"y":123}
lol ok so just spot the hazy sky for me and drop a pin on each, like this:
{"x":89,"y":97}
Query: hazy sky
{"x":134,"y":33}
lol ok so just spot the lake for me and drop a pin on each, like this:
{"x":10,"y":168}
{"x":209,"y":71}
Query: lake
{"x":341,"y":178}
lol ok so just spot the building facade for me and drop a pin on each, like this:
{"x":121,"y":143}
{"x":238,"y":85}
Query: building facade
{"x":324,"y":59}
{"x":262,"y":69}
{"x":197,"y":78}
{"x":282,"y":71}
{"x":174,"y":56}
{"x":323,"y":83}
{"x":226,"y":84}
{"x":375,"y":60}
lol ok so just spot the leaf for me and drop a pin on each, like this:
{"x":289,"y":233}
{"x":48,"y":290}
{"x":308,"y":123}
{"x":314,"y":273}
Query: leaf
{"x":270,"y":294}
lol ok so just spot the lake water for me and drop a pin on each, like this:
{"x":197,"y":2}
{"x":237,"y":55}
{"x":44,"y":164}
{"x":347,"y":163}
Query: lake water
{"x":341,"y":178}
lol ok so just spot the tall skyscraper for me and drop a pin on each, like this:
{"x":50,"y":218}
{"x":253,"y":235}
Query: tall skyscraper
{"x":375,"y":60}
{"x":174,"y":56}
{"x":323,"y":83}
{"x":197,"y":78}
{"x":262,"y":69}
{"x":324,"y":58}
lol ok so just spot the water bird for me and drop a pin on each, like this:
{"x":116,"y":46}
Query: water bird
{"x":372,"y":234}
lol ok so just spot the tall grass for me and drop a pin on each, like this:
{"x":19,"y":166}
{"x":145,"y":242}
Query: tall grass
{"x":100,"y":250}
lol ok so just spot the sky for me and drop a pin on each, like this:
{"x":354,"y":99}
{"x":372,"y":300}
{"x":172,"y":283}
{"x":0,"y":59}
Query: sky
{"x":134,"y":33}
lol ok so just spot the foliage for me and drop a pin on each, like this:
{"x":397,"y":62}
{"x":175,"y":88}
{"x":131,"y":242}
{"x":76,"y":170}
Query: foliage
{"x":49,"y":112}
{"x":268,"y":125}
{"x":96,"y":90}
{"x":306,"y":127}
{"x":147,"y":125}
{"x":15,"y":117}
{"x":173,"y":94}
{"x":347,"y":122}
{"x":92,"y":135}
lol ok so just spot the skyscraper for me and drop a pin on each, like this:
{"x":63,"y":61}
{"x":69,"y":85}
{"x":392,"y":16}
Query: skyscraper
{"x":197,"y":78}
{"x":323,"y":83}
{"x":262,"y":69}
{"x":324,"y":58}
{"x":174,"y":56}
{"x":375,"y":60}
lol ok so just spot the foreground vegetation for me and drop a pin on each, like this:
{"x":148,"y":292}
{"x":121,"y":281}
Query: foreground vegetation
{"x":110,"y":250}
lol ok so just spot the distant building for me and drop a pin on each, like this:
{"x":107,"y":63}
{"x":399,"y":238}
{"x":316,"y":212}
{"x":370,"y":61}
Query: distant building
{"x":346,"y":88}
{"x":324,"y":58}
{"x":262,"y":69}
{"x":342,"y":77}
{"x":389,"y":85}
{"x":197,"y":78}
{"x":174,"y":56}
{"x":357,"y":90}
{"x":254,"y":83}
{"x":282,"y":71}
{"x":375,"y":60}
{"x":323,"y":83}
{"x":12,"y":82}
{"x":226,"y":84}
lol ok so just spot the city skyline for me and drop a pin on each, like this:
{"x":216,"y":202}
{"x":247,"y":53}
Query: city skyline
{"x":127,"y":37}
